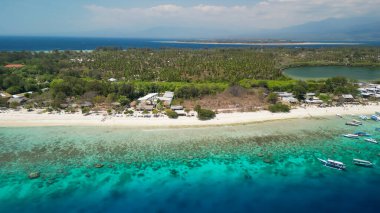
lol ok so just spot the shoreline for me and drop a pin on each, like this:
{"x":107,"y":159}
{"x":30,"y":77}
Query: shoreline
{"x":23,"y":118}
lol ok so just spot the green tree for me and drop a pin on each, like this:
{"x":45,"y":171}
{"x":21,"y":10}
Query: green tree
{"x":272,"y":98}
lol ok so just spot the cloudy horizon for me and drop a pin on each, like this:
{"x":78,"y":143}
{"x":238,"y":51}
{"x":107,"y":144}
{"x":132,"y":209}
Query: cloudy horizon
{"x":120,"y":18}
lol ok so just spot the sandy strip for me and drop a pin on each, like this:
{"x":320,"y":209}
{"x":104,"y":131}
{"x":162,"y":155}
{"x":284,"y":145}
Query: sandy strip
{"x":23,"y":118}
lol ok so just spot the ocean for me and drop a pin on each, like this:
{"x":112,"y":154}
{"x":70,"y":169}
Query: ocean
{"x":262,"y":167}
{"x":21,"y":43}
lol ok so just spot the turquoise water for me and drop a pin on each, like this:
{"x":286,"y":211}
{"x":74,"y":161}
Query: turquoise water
{"x":264,"y":167}
{"x":322,"y":72}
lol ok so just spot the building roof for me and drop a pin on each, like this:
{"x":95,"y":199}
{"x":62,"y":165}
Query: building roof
{"x":112,"y":79}
{"x":176,"y":107}
{"x":14,"y":66}
{"x":348,"y":96}
{"x":147,"y":97}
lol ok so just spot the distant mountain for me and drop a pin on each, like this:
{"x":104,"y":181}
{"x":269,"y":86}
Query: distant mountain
{"x":353,"y":29}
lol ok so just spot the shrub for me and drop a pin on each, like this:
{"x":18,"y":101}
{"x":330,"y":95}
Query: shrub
{"x":279,"y":107}
{"x":272,"y":98}
{"x":85,"y":110}
{"x":171,"y":114}
{"x":205,"y":114}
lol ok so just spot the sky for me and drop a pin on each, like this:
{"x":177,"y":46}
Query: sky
{"x":132,"y":18}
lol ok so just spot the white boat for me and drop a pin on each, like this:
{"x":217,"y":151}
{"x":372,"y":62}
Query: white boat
{"x":357,"y":122}
{"x":351,"y":136}
{"x":339,"y":115}
{"x":352,"y":124}
{"x":363,"y":117}
{"x":332,"y":164}
{"x":360,"y":162}
{"x":371,"y":140}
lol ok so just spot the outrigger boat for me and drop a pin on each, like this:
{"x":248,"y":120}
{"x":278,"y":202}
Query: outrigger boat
{"x":362,"y":134}
{"x":371,"y":140}
{"x":352,"y":124}
{"x":360,"y":162}
{"x":333,"y":164}
{"x":339,"y":115}
{"x":351,"y":136}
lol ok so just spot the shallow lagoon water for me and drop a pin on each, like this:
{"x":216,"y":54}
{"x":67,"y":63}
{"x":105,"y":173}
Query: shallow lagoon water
{"x":266,"y":167}
{"x":323,"y":72}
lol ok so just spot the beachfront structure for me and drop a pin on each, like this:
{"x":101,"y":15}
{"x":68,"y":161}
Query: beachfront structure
{"x":149,"y":101}
{"x":287,"y":97}
{"x":112,"y":79}
{"x":348,"y":98}
{"x":167,"y":98}
{"x":311,"y":98}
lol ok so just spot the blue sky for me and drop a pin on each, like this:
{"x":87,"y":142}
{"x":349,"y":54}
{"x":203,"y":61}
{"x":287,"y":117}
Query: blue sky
{"x":132,"y":18}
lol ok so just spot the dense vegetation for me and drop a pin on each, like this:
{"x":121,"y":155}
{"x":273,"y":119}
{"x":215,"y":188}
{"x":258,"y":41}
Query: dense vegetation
{"x":189,"y":73}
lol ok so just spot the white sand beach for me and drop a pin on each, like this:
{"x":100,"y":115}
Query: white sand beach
{"x":24,"y":118}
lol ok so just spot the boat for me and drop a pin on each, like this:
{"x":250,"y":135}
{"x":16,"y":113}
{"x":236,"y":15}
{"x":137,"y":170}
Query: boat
{"x":375,"y":118}
{"x":357,"y":122}
{"x":362,"y":134}
{"x":332,"y":164}
{"x":363,"y":117}
{"x":351,"y":136}
{"x":360,"y":162}
{"x":371,"y":140}
{"x":352,"y":124}
{"x":339,"y":115}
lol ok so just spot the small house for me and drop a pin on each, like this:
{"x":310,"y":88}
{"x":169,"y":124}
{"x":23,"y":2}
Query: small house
{"x":112,"y":79}
{"x":347,"y":98}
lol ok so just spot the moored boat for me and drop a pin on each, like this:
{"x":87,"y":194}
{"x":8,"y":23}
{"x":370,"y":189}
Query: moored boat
{"x":332,"y":164}
{"x":375,"y":118}
{"x":357,"y":122}
{"x":351,"y":136}
{"x":352,"y":124}
{"x":371,"y":140}
{"x":339,"y":115}
{"x":362,"y":134}
{"x":363,"y":117}
{"x":360,"y":162}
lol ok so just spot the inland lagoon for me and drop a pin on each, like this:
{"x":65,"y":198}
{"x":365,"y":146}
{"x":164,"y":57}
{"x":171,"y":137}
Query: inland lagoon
{"x":324,"y":72}
{"x":262,"y":167}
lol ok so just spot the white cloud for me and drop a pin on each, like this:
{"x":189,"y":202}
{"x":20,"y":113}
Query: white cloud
{"x":264,"y":14}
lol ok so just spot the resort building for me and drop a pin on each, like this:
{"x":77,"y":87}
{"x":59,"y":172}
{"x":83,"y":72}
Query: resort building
{"x":311,"y":98}
{"x":347,"y":98}
{"x":287,"y":98}
{"x":167,"y":98}
{"x":149,"y":101}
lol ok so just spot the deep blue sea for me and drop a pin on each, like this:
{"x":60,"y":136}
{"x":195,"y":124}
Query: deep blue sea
{"x":19,"y":43}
